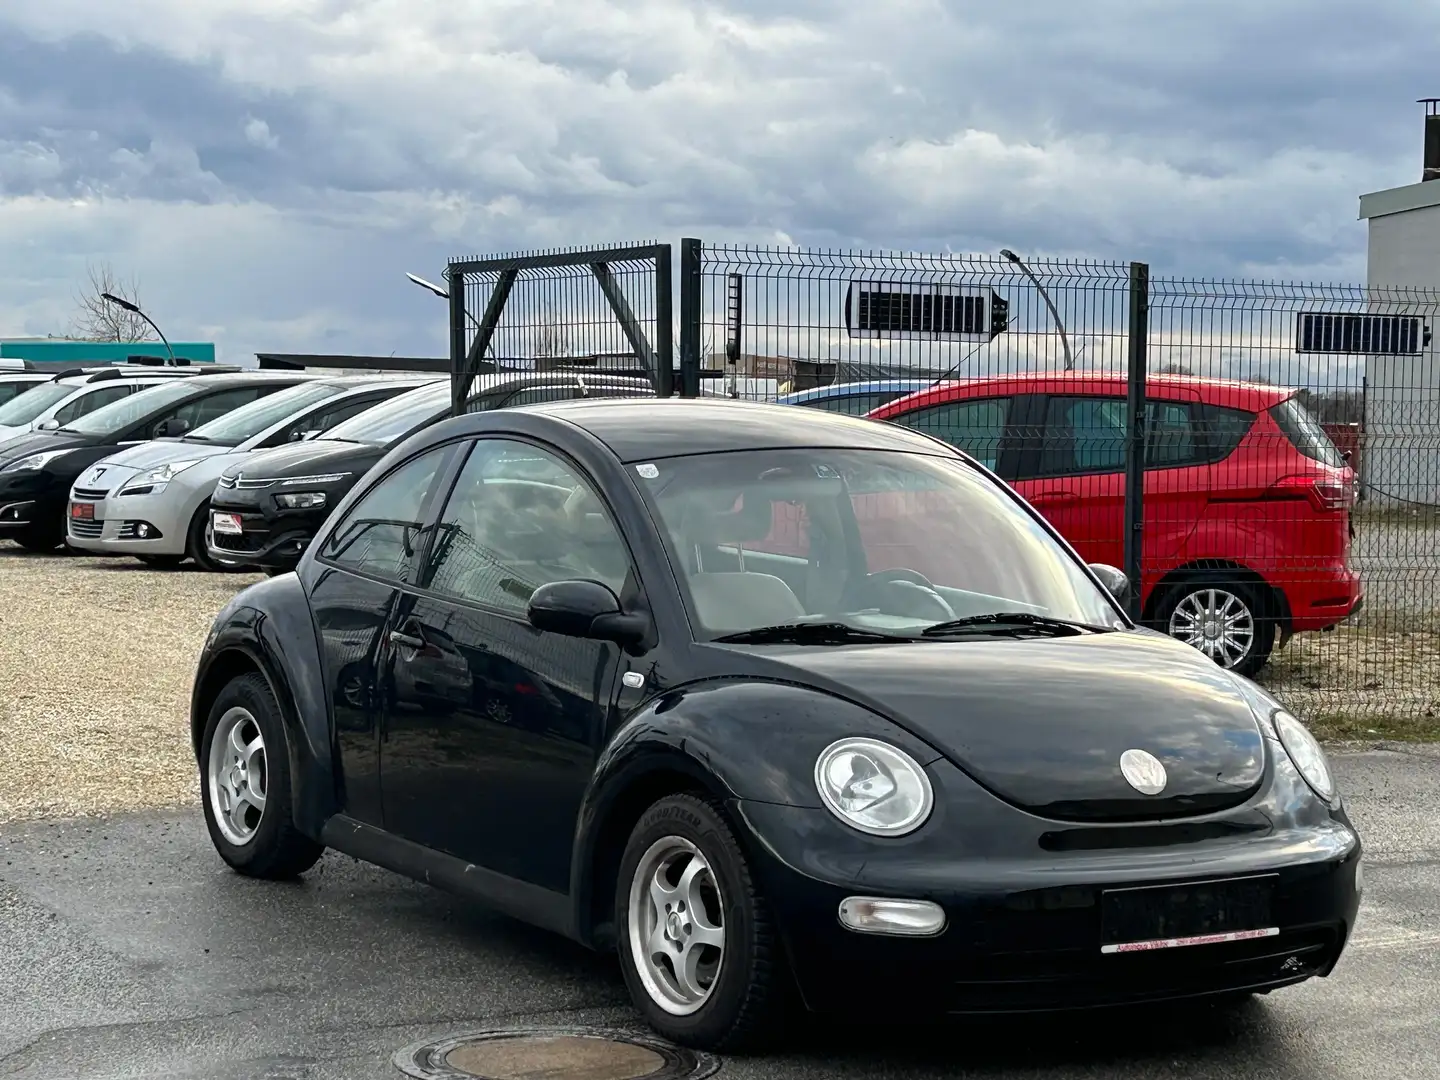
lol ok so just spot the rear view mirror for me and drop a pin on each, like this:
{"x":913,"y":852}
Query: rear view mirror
{"x":1116,"y":583}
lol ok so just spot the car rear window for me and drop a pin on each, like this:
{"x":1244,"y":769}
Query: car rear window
{"x":1305,"y":432}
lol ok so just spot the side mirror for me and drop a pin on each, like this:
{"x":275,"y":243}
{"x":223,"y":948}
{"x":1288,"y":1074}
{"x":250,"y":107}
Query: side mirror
{"x":48,"y":425}
{"x":171,"y":428}
{"x":583,"y":609}
{"x":1116,"y":583}
{"x":303,"y":436}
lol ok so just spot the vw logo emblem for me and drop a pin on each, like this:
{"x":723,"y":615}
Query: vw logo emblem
{"x":1143,"y":772}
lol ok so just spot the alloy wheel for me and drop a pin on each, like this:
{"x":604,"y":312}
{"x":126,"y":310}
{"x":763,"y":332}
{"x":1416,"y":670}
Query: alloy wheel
{"x":238,"y":776}
{"x":1217,"y":622}
{"x":676,"y":925}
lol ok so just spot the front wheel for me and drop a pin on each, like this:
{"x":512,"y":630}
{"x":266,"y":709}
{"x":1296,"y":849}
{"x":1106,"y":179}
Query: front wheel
{"x":697,"y":943}
{"x":196,"y":545}
{"x":1227,"y":620}
{"x":245,"y":784}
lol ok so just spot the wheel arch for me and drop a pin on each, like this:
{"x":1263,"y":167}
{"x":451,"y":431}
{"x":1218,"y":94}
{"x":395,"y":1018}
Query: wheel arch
{"x":1278,"y":607}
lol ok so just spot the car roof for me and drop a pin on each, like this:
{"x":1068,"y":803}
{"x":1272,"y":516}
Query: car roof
{"x":380,"y":378}
{"x":1230,"y":393}
{"x":645,"y":429}
{"x":845,"y":389}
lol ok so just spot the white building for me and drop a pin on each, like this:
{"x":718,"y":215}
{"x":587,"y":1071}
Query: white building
{"x":1402,"y":445}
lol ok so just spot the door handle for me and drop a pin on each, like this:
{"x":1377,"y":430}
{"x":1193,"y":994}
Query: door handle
{"x":1054,"y":498}
{"x":410,"y":641}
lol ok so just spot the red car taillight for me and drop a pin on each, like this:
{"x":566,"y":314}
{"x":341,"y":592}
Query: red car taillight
{"x":1324,"y":492}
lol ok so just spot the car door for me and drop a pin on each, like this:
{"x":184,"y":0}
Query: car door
{"x":493,"y":727}
{"x":1073,"y":471}
{"x":353,"y":586}
{"x":983,"y":427}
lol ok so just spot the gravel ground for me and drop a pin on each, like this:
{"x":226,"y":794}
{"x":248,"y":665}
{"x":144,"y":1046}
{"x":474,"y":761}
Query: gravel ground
{"x":95,"y":682}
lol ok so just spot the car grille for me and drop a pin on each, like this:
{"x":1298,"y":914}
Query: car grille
{"x":252,"y":539}
{"x":90,"y":494}
{"x":244,"y":485}
{"x":86,"y":530}
{"x":1011,"y":981}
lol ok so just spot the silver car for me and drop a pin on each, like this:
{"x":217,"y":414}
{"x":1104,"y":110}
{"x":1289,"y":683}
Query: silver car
{"x":156,"y":495}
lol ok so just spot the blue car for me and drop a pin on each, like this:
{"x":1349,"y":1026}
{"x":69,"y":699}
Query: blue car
{"x":855,"y":398}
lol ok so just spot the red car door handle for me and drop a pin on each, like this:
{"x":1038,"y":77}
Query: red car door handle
{"x":1053,"y":498}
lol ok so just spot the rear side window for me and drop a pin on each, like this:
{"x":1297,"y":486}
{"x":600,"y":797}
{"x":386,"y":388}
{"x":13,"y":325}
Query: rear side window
{"x":855,"y":404}
{"x":976,"y":427}
{"x":85,"y":404}
{"x":1305,"y":432}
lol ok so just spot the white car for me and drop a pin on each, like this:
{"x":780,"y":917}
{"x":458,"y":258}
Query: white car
{"x":56,"y":400}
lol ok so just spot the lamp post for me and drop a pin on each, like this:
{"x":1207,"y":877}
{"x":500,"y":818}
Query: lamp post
{"x":134,"y":309}
{"x":1055,"y":315}
{"x":440,"y":291}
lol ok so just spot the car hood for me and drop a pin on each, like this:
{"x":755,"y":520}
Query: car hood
{"x":152,"y":455}
{"x":305,"y":459}
{"x":1043,"y":723}
{"x":38,"y":441}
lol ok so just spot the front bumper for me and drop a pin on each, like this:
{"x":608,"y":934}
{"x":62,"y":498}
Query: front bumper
{"x":29,"y":499}
{"x":1023,"y":930}
{"x":271,"y":543}
{"x":128,"y":524}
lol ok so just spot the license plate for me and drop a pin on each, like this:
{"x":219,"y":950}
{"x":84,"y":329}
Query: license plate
{"x":227,"y":523}
{"x":82,"y":511}
{"x":1174,"y":916}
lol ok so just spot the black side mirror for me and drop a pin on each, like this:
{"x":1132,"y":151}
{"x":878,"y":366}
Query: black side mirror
{"x":1116,"y":583}
{"x":171,"y":428}
{"x":584,"y":609}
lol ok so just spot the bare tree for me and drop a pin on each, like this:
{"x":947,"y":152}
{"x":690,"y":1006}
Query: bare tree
{"x":96,"y":319}
{"x":550,"y":337}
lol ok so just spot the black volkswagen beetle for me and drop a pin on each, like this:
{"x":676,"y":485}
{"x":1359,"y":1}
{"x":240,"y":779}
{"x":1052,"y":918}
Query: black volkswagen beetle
{"x":785,"y":707}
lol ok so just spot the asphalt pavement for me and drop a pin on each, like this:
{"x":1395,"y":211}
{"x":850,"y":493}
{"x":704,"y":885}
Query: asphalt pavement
{"x":128,"y":950}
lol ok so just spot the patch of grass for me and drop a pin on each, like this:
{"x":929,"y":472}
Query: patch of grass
{"x":1421,"y":516}
{"x":1373,"y":727}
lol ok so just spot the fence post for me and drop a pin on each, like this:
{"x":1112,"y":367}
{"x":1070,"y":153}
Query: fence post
{"x":1135,"y":434}
{"x":690,"y":317}
{"x":664,"y":325}
{"x":458,"y":344}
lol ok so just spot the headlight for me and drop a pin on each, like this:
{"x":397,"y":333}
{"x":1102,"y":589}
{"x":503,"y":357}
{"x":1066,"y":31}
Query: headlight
{"x":327,"y":478}
{"x":873,"y":787}
{"x":300,"y":500}
{"x":158,"y":477}
{"x":1305,"y":752}
{"x":33,"y":461}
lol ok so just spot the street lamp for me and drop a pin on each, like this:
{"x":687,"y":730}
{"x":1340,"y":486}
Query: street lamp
{"x":134,"y":309}
{"x":1055,"y":315}
{"x":440,"y":291}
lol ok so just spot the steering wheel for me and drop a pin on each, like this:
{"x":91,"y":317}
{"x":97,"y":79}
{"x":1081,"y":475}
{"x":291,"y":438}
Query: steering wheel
{"x":917,"y":596}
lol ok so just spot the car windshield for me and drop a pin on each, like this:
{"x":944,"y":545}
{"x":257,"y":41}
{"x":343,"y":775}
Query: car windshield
{"x":118,"y":415}
{"x":876,"y":542}
{"x":250,"y":420}
{"x":385,"y":423}
{"x":28,"y":404}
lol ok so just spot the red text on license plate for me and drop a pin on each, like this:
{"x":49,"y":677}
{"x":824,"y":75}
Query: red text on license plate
{"x":84,"y":511}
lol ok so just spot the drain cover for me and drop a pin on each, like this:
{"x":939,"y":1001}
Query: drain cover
{"x":553,"y":1054}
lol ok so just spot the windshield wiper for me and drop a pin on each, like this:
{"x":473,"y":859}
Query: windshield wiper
{"x":814,"y":633}
{"x":1013,"y":622}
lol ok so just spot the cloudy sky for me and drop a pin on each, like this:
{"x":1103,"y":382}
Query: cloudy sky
{"x":268,"y":169}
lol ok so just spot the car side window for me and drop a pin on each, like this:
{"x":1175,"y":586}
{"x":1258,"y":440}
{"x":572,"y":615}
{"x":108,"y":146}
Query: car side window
{"x":88,"y":403}
{"x":520,"y":517}
{"x":381,"y":533}
{"x":976,"y":427}
{"x":324,"y":418}
{"x":1083,"y":435}
{"x":1170,"y":440}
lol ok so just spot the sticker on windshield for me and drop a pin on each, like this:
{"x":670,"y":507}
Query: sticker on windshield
{"x":648,"y":471}
{"x":825,"y":472}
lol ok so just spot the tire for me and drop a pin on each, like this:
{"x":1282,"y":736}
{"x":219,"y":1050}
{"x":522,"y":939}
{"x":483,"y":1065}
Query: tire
{"x":743,"y":1004}
{"x":1181,"y":610}
{"x":195,"y":545}
{"x":257,"y":842}
{"x":161,"y":562}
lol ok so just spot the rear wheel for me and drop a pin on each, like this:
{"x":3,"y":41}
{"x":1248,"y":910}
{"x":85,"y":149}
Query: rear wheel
{"x":1229,"y":621}
{"x":698,"y":947}
{"x":245,"y":784}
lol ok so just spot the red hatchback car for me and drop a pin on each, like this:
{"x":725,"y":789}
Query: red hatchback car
{"x":1247,"y":524}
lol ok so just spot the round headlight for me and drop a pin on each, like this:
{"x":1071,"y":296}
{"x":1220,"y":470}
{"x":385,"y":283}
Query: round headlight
{"x":873,"y":787}
{"x":1305,"y":752}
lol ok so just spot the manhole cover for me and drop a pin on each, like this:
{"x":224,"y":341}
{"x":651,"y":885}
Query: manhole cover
{"x":553,"y":1054}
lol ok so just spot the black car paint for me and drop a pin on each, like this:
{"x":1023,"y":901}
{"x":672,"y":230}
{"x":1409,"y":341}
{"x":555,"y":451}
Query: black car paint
{"x":708,"y":715}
